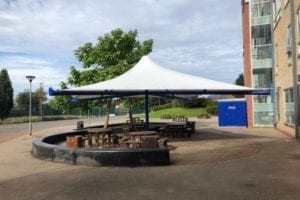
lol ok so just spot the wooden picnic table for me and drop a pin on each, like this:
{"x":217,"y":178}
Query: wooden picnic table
{"x":175,"y":123}
{"x":180,"y":119}
{"x":138,"y":134}
{"x":99,"y":134}
{"x":175,"y":127}
{"x":135,"y":140}
{"x":137,"y":126}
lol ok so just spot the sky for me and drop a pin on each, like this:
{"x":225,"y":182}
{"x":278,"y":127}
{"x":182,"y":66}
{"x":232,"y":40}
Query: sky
{"x":198,"y":37}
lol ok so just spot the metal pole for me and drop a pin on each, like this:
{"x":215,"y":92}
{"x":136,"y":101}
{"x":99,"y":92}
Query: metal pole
{"x":30,"y":123}
{"x":295,"y":70}
{"x":147,"y":110}
{"x":30,"y":78}
{"x":41,"y":98}
{"x":89,"y":119}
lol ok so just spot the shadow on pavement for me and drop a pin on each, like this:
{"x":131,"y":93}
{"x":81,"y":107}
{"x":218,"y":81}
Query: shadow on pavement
{"x":216,"y":134}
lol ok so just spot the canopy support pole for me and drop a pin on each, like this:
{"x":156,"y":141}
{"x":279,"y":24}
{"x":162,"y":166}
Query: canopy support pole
{"x":146,"y":110}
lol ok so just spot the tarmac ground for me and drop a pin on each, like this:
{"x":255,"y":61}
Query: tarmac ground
{"x":216,"y":163}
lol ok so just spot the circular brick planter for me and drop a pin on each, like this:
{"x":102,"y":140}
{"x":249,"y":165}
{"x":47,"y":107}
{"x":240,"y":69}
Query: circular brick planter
{"x":45,"y":148}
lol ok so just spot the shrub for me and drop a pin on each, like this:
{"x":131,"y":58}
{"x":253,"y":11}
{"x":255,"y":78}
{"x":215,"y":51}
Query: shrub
{"x":166,"y":117}
{"x":197,"y":102}
{"x":212,"y":109}
{"x":160,"y":107}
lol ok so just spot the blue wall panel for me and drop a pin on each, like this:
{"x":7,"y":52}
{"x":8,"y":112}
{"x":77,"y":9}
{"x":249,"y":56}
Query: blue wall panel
{"x":232,"y":113}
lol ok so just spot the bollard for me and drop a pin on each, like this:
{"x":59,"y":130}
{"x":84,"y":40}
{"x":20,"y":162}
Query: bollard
{"x":80,"y":125}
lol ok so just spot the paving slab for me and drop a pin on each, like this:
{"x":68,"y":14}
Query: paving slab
{"x":216,"y":163}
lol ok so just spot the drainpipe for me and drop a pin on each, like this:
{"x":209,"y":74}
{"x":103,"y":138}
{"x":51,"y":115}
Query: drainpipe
{"x":295,"y":71}
{"x":275,"y":100}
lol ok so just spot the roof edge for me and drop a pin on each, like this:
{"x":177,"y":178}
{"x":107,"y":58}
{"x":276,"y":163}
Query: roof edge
{"x":249,"y":91}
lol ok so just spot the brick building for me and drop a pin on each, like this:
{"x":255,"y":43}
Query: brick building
{"x":286,"y":52}
{"x":258,"y":73}
{"x":271,"y":39}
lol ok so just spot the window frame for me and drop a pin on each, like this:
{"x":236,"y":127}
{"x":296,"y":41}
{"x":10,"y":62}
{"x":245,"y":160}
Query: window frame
{"x":277,"y":10}
{"x":289,"y":102}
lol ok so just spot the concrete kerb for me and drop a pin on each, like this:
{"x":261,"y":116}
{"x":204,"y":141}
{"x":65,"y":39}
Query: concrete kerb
{"x":104,"y":157}
{"x":44,"y":148}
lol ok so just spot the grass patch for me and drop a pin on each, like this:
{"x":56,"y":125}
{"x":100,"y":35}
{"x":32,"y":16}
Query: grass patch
{"x":187,"y":112}
{"x":17,"y":120}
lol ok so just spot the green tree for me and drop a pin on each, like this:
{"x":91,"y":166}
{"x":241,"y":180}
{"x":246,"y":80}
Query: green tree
{"x":6,"y":94}
{"x":113,"y":54}
{"x":42,"y":96}
{"x":130,"y":103}
{"x":239,"y":81}
{"x":22,"y":101}
{"x":195,"y":102}
{"x":62,"y":103}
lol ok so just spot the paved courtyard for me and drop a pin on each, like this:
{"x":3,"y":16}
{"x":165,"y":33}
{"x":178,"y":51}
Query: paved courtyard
{"x":216,"y":163}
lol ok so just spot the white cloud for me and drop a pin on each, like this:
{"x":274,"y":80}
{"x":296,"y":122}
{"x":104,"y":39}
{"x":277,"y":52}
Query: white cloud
{"x":196,"y":37}
{"x":21,"y":66}
{"x":202,"y":61}
{"x":51,"y":26}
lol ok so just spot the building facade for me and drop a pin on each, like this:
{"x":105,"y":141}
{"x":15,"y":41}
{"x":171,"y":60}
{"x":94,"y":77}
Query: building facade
{"x":286,"y":40}
{"x":258,"y":62}
{"x":271,"y":35}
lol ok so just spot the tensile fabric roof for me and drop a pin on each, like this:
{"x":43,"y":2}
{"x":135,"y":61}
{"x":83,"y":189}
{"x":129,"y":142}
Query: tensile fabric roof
{"x":147,"y":76}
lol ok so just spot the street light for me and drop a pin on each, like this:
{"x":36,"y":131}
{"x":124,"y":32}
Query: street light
{"x":30,"y":78}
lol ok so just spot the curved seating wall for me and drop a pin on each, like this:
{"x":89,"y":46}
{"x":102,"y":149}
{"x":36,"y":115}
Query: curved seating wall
{"x":45,"y":149}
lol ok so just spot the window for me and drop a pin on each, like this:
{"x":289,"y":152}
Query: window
{"x":259,"y":9}
{"x":262,"y":52}
{"x":277,"y":9}
{"x":289,"y":43}
{"x":260,"y":99}
{"x":261,"y":42}
{"x":263,"y":118}
{"x":289,"y":106}
{"x":261,"y":35}
{"x":289,"y":95}
{"x":262,"y":78}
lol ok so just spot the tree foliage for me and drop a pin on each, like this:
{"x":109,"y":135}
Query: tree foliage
{"x":239,"y":81}
{"x":38,"y":98}
{"x":62,"y":103}
{"x":113,"y":54}
{"x":42,"y":96}
{"x":6,"y":94}
{"x":22,"y":101}
{"x":196,"y":102}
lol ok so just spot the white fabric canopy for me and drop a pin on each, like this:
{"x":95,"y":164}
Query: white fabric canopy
{"x":147,"y":76}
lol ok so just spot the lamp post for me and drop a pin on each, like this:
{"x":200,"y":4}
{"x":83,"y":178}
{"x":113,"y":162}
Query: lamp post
{"x":30,"y":78}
